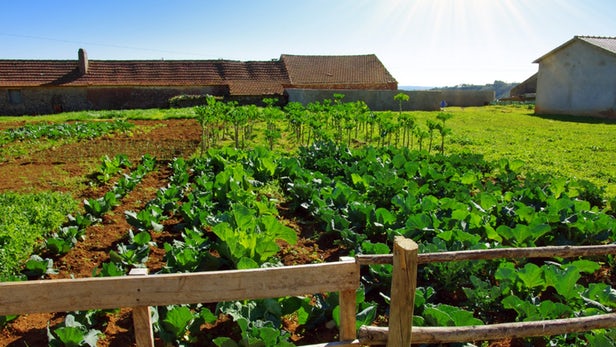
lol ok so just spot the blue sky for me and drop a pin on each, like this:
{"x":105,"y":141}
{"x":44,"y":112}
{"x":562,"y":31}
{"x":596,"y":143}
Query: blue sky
{"x":421,"y":42}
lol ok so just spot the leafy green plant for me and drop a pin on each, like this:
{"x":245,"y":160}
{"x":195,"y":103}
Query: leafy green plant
{"x":72,"y":333}
{"x":249,"y":240}
{"x":259,"y":321}
{"x":98,"y":207}
{"x":401,"y":97}
{"x":111,"y":166}
{"x":25,"y":219}
{"x":109,"y":269}
{"x":37,"y":267}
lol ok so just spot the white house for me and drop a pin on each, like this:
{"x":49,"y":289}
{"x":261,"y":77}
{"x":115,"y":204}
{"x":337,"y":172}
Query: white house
{"x":578,"y":78}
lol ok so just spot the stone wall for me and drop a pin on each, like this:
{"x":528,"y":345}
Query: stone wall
{"x":467,"y":98}
{"x":377,"y":100}
{"x":47,"y":100}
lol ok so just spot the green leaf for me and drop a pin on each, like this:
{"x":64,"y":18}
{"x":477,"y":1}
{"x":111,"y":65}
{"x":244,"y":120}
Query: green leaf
{"x":225,"y":342}
{"x":492,"y":234}
{"x":437,"y":317}
{"x":247,"y":263}
{"x":584,"y":265}
{"x":70,"y":336}
{"x":554,"y":310}
{"x":142,"y":238}
{"x":487,"y":201}
{"x":462,"y":317}
{"x":524,"y":309}
{"x":563,"y":280}
{"x":243,"y":217}
{"x":207,"y":315}
{"x":602,"y":293}
{"x":532,"y":276}
{"x":366,"y":316}
{"x":269,"y":335}
{"x":177,"y":319}
{"x":375,"y":248}
{"x":469,"y":178}
{"x":278,"y":230}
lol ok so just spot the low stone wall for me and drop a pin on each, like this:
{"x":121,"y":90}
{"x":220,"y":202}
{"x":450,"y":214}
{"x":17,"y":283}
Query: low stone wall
{"x":467,"y":98}
{"x":377,"y":100}
{"x":48,"y":100}
{"x":383,"y":100}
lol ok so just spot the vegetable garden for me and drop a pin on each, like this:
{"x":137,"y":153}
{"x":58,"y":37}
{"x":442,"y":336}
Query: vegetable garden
{"x":229,"y":197}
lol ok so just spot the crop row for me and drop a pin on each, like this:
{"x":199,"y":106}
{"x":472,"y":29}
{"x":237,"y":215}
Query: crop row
{"x":228,"y":218}
{"x":54,"y":131}
{"x":225,"y":207}
{"x":328,"y":120}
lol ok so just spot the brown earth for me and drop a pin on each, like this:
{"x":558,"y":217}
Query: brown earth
{"x":69,"y":168}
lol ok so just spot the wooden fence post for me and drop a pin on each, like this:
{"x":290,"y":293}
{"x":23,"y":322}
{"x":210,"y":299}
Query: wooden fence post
{"x":142,"y":320}
{"x":403,"y":283}
{"x":348,"y":303}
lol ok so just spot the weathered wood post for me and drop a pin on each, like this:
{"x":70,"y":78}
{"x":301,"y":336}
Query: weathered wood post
{"x":403,"y":283}
{"x":142,"y":320}
{"x":347,"y":308}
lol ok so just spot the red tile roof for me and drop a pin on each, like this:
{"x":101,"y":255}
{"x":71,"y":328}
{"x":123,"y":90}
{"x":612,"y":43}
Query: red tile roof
{"x":243,"y":78}
{"x":140,"y":73}
{"x":336,"y":69}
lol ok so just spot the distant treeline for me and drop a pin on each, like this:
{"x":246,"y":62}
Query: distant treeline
{"x":501,"y":89}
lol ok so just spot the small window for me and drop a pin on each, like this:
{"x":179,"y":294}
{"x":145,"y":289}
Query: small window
{"x":15,"y":96}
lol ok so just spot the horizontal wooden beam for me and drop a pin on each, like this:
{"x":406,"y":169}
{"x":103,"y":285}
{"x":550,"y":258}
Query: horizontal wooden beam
{"x":433,"y":335}
{"x":497,"y":253}
{"x":167,"y":289}
{"x":350,"y":343}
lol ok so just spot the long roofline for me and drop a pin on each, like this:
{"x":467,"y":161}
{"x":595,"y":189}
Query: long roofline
{"x":577,"y":38}
{"x":346,"y":70}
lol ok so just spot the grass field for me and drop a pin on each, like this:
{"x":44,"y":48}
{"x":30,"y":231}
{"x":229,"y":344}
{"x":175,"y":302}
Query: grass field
{"x":568,"y":146}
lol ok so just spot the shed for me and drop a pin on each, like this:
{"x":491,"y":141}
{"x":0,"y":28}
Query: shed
{"x":578,"y":78}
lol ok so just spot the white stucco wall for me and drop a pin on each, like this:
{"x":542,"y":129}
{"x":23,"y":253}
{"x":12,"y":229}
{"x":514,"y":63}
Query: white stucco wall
{"x":579,"y":79}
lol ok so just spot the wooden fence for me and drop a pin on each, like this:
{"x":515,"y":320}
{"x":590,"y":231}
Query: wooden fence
{"x":141,"y":291}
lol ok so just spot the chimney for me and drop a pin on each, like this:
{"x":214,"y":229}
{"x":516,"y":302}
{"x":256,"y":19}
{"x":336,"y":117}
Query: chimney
{"x":83,"y":61}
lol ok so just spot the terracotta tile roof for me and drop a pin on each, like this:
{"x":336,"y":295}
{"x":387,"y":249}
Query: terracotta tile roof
{"x":243,"y":78}
{"x":30,"y":73}
{"x":349,"y":69}
{"x":255,"y":88}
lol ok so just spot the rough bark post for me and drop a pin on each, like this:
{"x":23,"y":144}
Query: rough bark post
{"x":347,"y":309}
{"x":142,"y":321}
{"x":403,"y":283}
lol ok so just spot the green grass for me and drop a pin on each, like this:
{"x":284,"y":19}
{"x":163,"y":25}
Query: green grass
{"x":578,"y":147}
{"x":25,"y":219}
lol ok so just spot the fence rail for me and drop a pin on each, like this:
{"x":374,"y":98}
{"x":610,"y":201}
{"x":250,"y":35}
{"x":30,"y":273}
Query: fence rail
{"x":141,"y":291}
{"x":497,"y":253}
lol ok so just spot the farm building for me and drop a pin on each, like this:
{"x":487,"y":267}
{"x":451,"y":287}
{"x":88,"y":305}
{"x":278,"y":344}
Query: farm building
{"x":47,"y":86}
{"x":526,"y":90}
{"x":578,"y":78}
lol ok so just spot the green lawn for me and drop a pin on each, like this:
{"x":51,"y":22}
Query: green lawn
{"x":569,"y":146}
